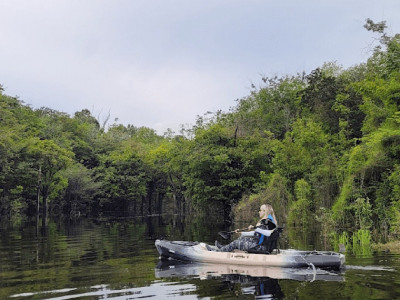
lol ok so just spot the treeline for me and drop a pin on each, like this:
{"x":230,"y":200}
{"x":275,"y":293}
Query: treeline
{"x":321,"y":148}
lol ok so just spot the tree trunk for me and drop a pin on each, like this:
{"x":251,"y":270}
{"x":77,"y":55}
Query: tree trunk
{"x":44,"y":207}
{"x":150,"y":192}
{"x":235,"y":136}
{"x":227,"y":213}
{"x":160,"y":202}
{"x":38,"y":191}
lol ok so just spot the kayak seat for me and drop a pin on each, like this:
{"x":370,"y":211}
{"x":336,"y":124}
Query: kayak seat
{"x":268,"y":245}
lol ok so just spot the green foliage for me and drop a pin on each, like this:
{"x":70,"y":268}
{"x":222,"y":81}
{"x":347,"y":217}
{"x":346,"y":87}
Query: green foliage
{"x":363,"y":212}
{"x":381,"y":100}
{"x":366,"y":190}
{"x":385,"y":59}
{"x":221,"y":166}
{"x":323,"y":148}
{"x":302,"y":206}
{"x":79,"y":190}
{"x":359,"y":243}
{"x":324,"y":220}
{"x":123,"y":178}
{"x":49,"y":158}
{"x":272,"y":108}
{"x":17,"y":203}
{"x":344,"y":241}
{"x":392,"y":197}
{"x":347,"y":105}
{"x":362,"y":243}
{"x":318,"y":97}
{"x":274,"y":192}
{"x":291,"y":160}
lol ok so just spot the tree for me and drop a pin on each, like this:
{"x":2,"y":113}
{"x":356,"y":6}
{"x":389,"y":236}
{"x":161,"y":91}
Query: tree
{"x":18,"y":123}
{"x":80,"y":191}
{"x":49,"y":158}
{"x":386,"y":56}
{"x":302,"y":207}
{"x":271,"y":108}
{"x":168,"y":162}
{"x":220,"y":167}
{"x":319,"y":98}
{"x":123,"y":177}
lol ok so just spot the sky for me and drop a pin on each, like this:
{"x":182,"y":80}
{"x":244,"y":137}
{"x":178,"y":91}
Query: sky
{"x":162,"y":63}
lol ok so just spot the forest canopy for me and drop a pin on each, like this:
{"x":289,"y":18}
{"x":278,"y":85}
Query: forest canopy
{"x":322,"y":147}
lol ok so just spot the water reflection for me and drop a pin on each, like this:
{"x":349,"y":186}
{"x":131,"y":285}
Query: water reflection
{"x":116,"y":259}
{"x":108,"y":292}
{"x":171,"y":268}
{"x":256,"y":280}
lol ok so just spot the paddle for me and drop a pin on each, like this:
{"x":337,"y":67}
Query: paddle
{"x":227,"y":234}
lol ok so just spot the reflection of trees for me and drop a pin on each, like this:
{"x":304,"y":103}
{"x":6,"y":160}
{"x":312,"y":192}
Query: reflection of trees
{"x":308,"y":239}
{"x":258,"y":286}
{"x":78,"y":255}
{"x":238,"y":286}
{"x":189,"y":228}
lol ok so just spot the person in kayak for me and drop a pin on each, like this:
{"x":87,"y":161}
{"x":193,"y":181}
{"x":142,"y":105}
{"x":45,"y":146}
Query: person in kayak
{"x":255,"y":239}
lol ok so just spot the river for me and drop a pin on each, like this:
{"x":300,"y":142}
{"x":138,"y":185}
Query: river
{"x":115,"y":258}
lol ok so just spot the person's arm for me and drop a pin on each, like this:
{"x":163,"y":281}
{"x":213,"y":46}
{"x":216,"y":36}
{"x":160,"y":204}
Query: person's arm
{"x":248,"y":233}
{"x":248,"y":228}
{"x":265,"y":232}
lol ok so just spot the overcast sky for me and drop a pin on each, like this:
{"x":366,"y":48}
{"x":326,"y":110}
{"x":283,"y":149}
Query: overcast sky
{"x":160,"y":63}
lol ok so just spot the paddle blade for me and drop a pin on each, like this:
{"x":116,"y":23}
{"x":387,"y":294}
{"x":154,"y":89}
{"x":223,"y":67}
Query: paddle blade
{"x":225,"y":234}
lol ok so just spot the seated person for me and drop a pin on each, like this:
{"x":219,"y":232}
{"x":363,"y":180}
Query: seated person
{"x":256,"y":238}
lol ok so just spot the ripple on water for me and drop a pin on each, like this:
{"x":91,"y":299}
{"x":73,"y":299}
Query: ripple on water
{"x":369,"y":268}
{"x":157,"y":290}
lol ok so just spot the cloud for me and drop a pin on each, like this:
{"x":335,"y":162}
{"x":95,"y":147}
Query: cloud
{"x":159,"y":63}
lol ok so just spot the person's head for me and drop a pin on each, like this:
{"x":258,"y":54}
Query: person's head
{"x":263,"y":211}
{"x":269,"y":209}
{"x":266,"y":210}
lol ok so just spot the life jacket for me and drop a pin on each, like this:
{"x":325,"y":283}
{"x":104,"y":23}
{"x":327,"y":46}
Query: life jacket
{"x":266,"y":244}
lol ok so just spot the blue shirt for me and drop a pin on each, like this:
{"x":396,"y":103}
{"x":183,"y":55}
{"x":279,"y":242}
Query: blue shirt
{"x":271,"y":218}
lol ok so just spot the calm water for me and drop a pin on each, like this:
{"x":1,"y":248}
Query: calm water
{"x":116,"y":259}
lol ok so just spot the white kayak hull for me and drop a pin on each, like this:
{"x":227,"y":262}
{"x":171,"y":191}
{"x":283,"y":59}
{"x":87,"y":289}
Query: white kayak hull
{"x":199,"y":252}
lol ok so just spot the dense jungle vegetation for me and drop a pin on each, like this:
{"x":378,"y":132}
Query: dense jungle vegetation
{"x":323,"y":148}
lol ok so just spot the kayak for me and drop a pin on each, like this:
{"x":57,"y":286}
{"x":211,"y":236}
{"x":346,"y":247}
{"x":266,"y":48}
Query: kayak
{"x":291,"y":258}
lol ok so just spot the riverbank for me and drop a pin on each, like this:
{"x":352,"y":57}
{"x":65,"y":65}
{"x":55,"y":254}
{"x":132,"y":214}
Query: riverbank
{"x":393,"y":247}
